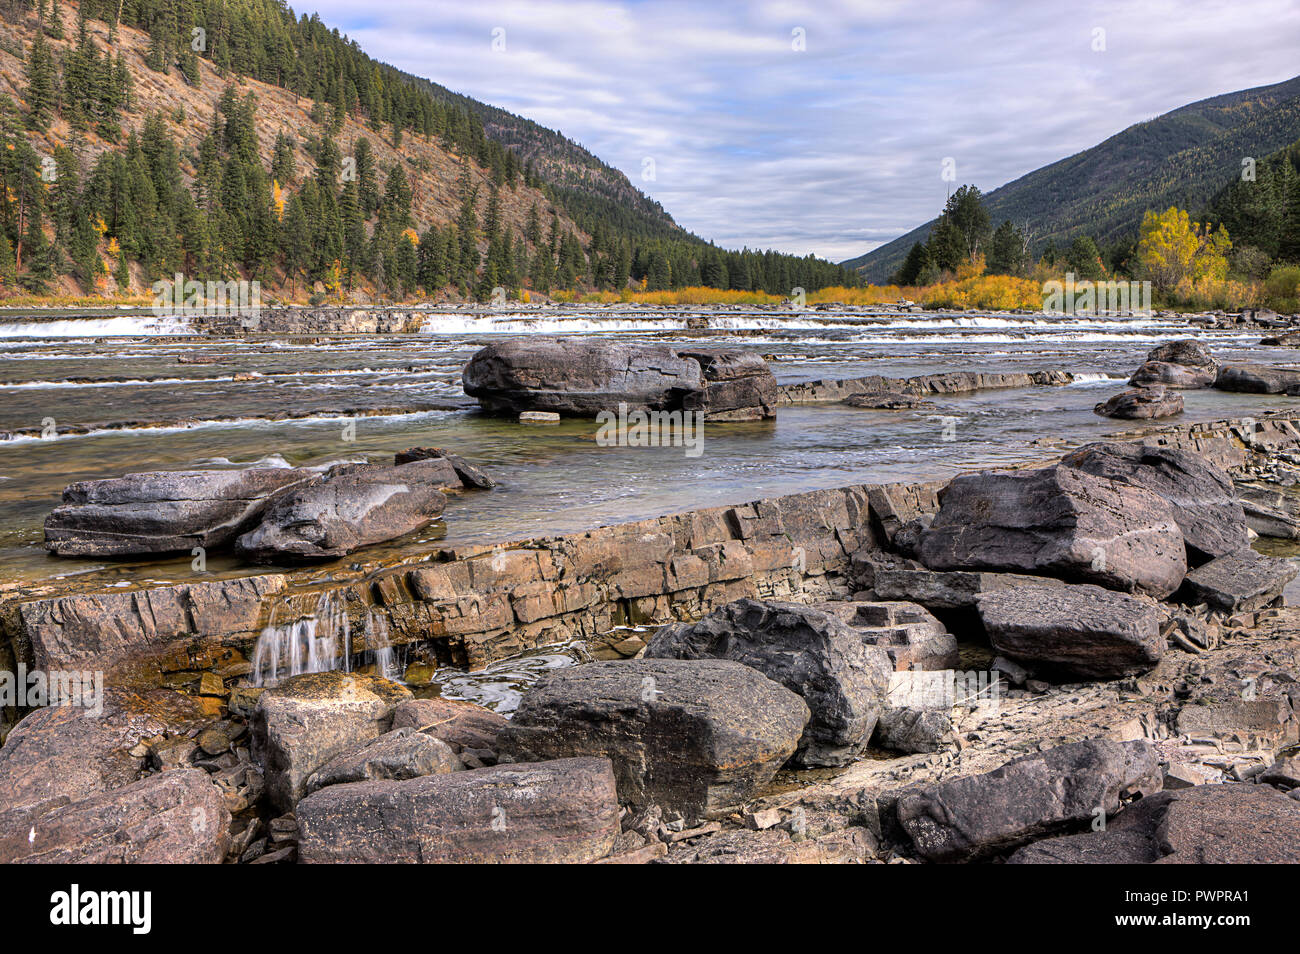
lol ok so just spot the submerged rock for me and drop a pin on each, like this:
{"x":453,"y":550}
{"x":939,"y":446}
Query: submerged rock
{"x":1241,"y":582}
{"x":1073,"y":631}
{"x":1058,"y":521}
{"x":1206,"y":824}
{"x":353,"y":507}
{"x":558,"y":812}
{"x":1141,"y":403}
{"x":305,"y":721}
{"x":694,"y":736}
{"x":174,"y":817}
{"x":887,"y":400}
{"x":970,"y":818}
{"x":1203,"y":497}
{"x":164,"y":512}
{"x":469,"y":474}
{"x":843,"y":680}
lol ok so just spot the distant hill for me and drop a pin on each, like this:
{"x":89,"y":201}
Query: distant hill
{"x":1182,"y":158}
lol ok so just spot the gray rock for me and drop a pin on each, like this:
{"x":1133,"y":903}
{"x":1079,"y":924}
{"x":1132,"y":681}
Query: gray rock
{"x":399,"y":754}
{"x":1206,"y":824}
{"x":814,"y":654}
{"x":887,"y":400}
{"x":459,"y":724}
{"x":305,"y":721}
{"x":1058,"y":521}
{"x":560,"y":812}
{"x":1255,"y":379}
{"x":1173,"y":376}
{"x":174,"y":817}
{"x":164,"y":512}
{"x":579,"y":377}
{"x":914,"y":729}
{"x":1204,"y":501}
{"x":1284,"y":773}
{"x":738,"y":386}
{"x":694,"y":736}
{"x":1241,"y":582}
{"x":907,"y":631}
{"x":1142,"y":403}
{"x":939,"y":590}
{"x":970,"y":818}
{"x":470,"y":475}
{"x":355,"y":506}
{"x":1073,"y":631}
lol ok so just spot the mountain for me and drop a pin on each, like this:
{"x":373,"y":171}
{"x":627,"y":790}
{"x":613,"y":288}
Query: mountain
{"x":236,"y":139}
{"x":1182,"y":158}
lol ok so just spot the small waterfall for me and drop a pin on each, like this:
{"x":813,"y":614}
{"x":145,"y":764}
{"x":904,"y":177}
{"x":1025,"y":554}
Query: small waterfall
{"x":386,"y":662}
{"x":317,"y":643}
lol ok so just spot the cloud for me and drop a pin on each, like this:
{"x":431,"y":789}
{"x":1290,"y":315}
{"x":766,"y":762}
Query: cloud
{"x":836,"y":147}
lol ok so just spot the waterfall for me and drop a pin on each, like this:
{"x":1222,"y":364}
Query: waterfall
{"x":317,"y":643}
{"x":386,"y":661}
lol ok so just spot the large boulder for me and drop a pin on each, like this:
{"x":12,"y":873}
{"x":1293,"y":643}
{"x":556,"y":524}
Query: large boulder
{"x":843,"y":680}
{"x":1256,"y":379}
{"x":1037,"y":795}
{"x":579,"y":377}
{"x":1207,"y":824}
{"x":462,"y":725}
{"x":1058,"y":521}
{"x":560,"y":812}
{"x":399,"y":754}
{"x":1142,"y":403}
{"x":305,"y":721}
{"x":353,"y":507}
{"x":1073,"y":631}
{"x":1185,"y":363}
{"x":1240,"y":582}
{"x":1204,"y":501}
{"x":696,"y":737}
{"x":174,"y":817}
{"x":908,"y":632}
{"x":164,"y":512}
{"x":738,"y":386}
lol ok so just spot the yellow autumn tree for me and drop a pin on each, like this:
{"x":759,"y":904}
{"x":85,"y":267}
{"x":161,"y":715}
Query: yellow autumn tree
{"x":1177,"y":254}
{"x":277,"y":199}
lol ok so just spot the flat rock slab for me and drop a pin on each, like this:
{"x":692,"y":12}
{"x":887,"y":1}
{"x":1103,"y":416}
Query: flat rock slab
{"x":174,"y":817}
{"x":305,"y":721}
{"x":399,"y":754}
{"x":164,"y":512}
{"x":1202,"y":494}
{"x":1256,"y":379}
{"x":1058,"y":521}
{"x":1073,"y":631}
{"x":1142,"y":403}
{"x":816,"y":655}
{"x":558,"y":812}
{"x":353,"y":507}
{"x":1241,"y":582}
{"x":974,"y":817}
{"x":939,"y":589}
{"x":696,"y":737}
{"x":1208,"y":824}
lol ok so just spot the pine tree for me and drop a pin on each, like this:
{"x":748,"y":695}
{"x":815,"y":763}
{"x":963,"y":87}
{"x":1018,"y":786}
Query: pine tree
{"x":40,"y":84}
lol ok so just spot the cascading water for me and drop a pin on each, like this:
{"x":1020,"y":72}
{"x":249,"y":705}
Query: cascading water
{"x":386,"y":662}
{"x":317,"y":643}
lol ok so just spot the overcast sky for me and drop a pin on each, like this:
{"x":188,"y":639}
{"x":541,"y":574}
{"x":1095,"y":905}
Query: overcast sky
{"x":838,"y":146}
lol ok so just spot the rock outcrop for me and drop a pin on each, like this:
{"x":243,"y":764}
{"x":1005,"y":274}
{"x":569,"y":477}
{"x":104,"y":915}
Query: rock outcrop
{"x":738,"y":386}
{"x":1058,"y":521}
{"x":1240,"y":582}
{"x":843,"y":680}
{"x":558,"y":812}
{"x":696,"y":737}
{"x":164,"y":512}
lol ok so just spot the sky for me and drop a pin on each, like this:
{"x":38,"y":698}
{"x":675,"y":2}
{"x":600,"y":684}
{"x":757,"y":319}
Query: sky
{"x":826,"y":126}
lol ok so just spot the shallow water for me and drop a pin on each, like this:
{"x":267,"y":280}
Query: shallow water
{"x":553,"y":478}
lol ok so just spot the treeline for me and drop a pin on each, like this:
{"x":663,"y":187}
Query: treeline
{"x":345,"y":224}
{"x":1261,"y":211}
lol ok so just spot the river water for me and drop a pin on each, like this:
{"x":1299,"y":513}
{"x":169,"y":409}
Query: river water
{"x":134,"y":393}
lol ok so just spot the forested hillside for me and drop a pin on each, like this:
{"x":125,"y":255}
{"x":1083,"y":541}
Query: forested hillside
{"x":1179,"y":159}
{"x":234,"y":139}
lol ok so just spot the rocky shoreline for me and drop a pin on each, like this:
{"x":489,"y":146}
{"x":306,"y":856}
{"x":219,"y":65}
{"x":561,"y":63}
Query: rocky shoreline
{"x":1076,"y":660}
